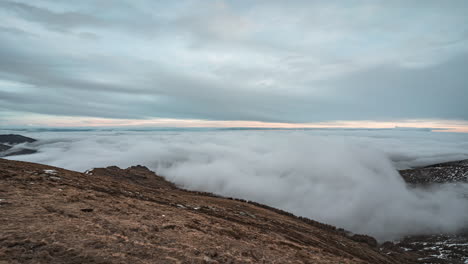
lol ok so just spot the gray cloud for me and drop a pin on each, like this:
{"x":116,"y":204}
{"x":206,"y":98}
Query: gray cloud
{"x":267,"y":61}
{"x":61,"y":21}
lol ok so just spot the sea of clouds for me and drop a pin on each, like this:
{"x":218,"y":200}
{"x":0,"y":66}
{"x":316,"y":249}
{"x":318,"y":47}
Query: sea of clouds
{"x":346,"y":178}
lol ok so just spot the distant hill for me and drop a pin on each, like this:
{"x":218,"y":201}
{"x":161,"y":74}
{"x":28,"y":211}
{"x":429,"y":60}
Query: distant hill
{"x":448,"y":172}
{"x":4,"y":147}
{"x":7,"y":141}
{"x":15,"y":139}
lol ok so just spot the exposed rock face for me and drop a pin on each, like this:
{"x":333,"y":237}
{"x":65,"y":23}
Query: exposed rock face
{"x":112,"y":215}
{"x":448,"y":172}
{"x":6,"y":142}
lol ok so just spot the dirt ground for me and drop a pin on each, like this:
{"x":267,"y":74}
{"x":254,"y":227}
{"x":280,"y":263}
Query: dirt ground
{"x":112,"y":215}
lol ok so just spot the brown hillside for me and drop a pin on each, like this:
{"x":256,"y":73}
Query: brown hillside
{"x":112,"y":215}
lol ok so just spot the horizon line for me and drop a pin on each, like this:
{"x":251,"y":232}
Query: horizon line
{"x":45,"y":121}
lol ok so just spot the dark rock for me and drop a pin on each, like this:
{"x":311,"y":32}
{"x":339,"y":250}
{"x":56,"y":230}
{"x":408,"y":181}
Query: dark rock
{"x":87,"y":210}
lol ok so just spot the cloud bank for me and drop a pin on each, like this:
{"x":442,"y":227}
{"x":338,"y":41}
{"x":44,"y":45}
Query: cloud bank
{"x":330,"y":176}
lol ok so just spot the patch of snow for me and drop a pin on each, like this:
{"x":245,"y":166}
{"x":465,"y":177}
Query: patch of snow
{"x":53,"y":172}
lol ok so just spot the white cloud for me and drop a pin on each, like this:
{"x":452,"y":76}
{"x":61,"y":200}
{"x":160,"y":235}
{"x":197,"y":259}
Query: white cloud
{"x":344,"y":178}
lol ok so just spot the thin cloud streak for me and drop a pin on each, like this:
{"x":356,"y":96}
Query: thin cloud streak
{"x":460,"y":126}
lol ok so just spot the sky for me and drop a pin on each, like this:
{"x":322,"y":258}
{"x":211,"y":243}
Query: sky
{"x":234,"y":63}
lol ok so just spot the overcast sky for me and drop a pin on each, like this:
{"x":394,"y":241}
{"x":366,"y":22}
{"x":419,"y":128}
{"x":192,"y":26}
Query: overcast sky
{"x":265,"y":61}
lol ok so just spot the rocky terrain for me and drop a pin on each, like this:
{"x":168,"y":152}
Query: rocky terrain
{"x":8,"y":142}
{"x":113,"y":215}
{"x":437,"y":248}
{"x":448,"y":172}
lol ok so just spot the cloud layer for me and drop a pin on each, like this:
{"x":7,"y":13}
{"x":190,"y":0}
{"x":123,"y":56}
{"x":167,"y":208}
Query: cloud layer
{"x":331,"y":176}
{"x":270,"y":61}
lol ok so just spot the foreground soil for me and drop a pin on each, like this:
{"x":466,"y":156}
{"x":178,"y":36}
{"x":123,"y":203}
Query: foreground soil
{"x":112,"y":215}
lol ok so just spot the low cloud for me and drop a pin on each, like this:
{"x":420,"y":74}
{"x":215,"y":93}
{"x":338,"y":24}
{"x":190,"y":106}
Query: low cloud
{"x":332,"y":176}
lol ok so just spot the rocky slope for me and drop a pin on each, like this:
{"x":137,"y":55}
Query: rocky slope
{"x":112,"y":215}
{"x":436,"y":248}
{"x":448,"y":172}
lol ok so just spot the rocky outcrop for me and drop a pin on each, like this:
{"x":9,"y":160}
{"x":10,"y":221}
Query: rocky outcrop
{"x":113,"y":215}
